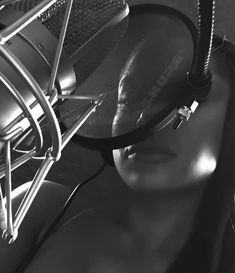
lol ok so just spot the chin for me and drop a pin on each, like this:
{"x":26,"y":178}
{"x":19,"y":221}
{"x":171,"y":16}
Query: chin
{"x":162,"y":177}
{"x":143,"y":179}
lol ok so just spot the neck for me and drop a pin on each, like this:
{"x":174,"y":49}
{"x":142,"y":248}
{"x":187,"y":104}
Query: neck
{"x":161,"y":222}
{"x":158,"y":223}
{"x":168,"y":216}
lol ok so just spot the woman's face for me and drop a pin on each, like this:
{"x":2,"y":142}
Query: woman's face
{"x":171,"y":159}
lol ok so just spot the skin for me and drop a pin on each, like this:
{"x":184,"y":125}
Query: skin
{"x":140,"y":221}
{"x":172,"y":159}
{"x":155,"y":217}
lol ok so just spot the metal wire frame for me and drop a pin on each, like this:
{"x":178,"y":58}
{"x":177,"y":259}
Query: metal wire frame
{"x":58,"y":141}
{"x":26,"y":110}
{"x":8,"y":32}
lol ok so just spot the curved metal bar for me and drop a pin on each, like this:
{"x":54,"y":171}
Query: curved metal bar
{"x":18,"y":119}
{"x":11,"y":134}
{"x":27,"y":111}
{"x":14,"y":148}
{"x":42,"y":100}
{"x":45,"y":167}
{"x":8,"y":32}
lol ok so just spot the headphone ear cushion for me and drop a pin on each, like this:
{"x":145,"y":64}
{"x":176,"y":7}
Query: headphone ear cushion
{"x":107,"y":155}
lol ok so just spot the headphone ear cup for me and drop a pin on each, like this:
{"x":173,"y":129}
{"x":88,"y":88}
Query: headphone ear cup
{"x":107,"y":155}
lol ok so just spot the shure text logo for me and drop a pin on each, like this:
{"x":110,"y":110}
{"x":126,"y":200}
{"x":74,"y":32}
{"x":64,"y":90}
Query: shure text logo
{"x":162,"y":81}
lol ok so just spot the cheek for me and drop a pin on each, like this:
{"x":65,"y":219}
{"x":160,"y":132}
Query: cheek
{"x":195,"y":162}
{"x":187,"y":169}
{"x":203,"y":165}
{"x":181,"y":172}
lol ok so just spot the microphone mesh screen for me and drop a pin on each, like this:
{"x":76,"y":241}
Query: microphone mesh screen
{"x":87,"y":18}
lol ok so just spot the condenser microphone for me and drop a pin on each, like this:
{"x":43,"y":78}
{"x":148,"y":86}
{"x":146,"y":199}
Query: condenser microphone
{"x":47,"y":49}
{"x":92,"y":29}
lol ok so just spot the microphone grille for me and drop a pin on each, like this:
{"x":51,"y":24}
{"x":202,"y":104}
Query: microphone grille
{"x":87,"y":17}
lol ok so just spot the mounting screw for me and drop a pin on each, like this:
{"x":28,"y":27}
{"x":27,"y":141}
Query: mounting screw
{"x":184,"y":113}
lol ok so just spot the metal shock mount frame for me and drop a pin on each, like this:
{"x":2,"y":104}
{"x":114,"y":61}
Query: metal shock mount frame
{"x":10,"y":223}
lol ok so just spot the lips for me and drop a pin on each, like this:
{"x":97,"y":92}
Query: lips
{"x":145,"y":152}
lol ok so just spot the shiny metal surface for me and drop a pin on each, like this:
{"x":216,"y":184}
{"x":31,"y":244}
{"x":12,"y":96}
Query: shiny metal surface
{"x":27,"y":111}
{"x":18,"y":162}
{"x":59,"y":48}
{"x":41,"y":72}
{"x":41,"y":98}
{"x":44,"y":44}
{"x":3,"y":217}
{"x":31,"y":82}
{"x":41,"y":174}
{"x":107,"y":27}
{"x":30,"y":195}
{"x":8,"y":190}
{"x":11,"y":30}
{"x":29,"y":55}
{"x":71,"y":131}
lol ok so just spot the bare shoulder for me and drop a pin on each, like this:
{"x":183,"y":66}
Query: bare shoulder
{"x":47,"y":205}
{"x":47,"y":188}
{"x":49,"y":200}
